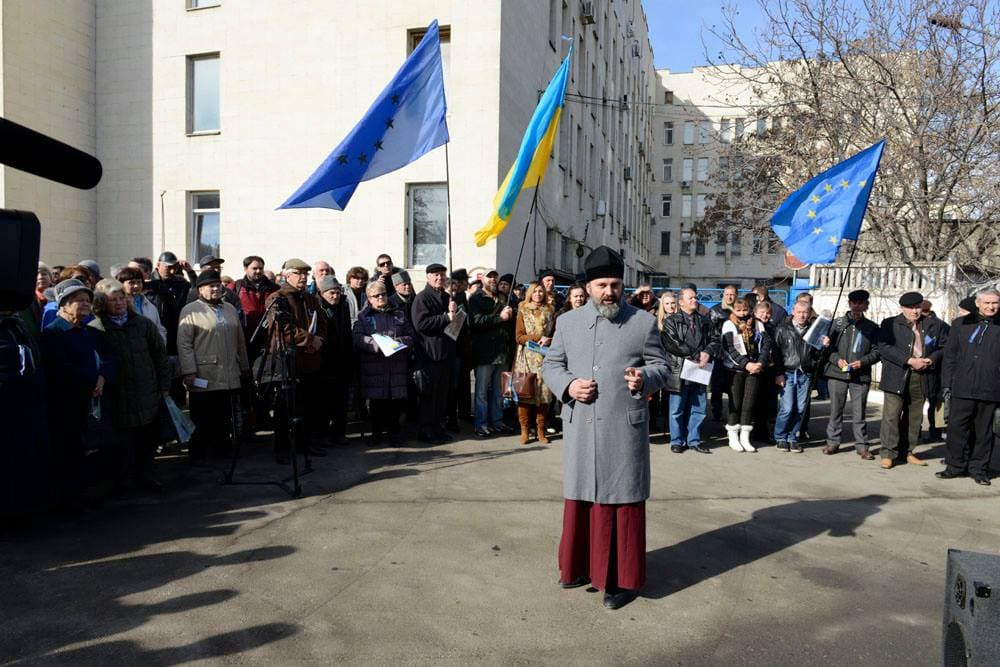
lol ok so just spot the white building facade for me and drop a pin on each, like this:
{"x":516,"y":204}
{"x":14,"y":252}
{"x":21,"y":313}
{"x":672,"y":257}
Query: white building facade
{"x":207,"y":114}
{"x":700,"y":121}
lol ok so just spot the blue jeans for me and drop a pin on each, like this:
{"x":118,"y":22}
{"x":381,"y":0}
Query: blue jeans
{"x":687,"y":412}
{"x":489,"y":409}
{"x":792,"y":398}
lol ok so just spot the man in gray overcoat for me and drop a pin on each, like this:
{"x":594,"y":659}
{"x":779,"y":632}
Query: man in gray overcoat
{"x":604,"y":362}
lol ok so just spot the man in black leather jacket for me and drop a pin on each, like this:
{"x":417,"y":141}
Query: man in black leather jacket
{"x":688,"y":335}
{"x":796,"y":362}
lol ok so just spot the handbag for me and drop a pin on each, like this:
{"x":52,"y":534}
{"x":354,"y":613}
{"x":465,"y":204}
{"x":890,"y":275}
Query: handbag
{"x":519,"y":385}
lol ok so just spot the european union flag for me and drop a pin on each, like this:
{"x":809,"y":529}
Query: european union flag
{"x":829,"y":208}
{"x":405,"y":121}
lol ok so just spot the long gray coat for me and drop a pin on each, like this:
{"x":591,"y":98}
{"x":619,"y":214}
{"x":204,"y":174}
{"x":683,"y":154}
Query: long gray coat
{"x":606,"y":450}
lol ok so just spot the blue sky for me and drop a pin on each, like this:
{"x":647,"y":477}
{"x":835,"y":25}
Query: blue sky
{"x":676,"y":29}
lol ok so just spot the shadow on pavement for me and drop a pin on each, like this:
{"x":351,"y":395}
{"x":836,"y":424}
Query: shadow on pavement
{"x":770,"y":530}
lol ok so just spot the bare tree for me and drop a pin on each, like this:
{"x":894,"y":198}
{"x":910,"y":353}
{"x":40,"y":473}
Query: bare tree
{"x":831,"y":77}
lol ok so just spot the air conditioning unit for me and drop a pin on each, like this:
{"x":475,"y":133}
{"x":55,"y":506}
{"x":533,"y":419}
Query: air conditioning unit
{"x":685,"y":184}
{"x":627,"y":173}
{"x":602,"y":207}
{"x":587,"y":13}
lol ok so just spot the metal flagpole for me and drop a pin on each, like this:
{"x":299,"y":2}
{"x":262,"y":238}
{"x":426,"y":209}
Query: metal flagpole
{"x":524,"y":238}
{"x":447,"y":188}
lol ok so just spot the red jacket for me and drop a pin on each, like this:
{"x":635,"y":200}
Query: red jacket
{"x":253,"y":298}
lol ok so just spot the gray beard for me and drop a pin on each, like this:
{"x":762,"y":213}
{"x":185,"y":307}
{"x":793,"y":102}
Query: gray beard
{"x":608,"y":311}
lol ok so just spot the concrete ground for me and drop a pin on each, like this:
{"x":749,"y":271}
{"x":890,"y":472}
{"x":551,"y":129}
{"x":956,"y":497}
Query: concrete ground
{"x":447,"y":555}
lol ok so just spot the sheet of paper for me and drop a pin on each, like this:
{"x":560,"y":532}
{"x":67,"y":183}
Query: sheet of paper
{"x":694,"y":373}
{"x":389,"y":346}
{"x":200,"y":383}
{"x":532,"y":346}
{"x":454,"y":327}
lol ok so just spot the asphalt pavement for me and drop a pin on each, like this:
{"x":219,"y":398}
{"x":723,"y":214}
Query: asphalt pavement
{"x":447,"y":555}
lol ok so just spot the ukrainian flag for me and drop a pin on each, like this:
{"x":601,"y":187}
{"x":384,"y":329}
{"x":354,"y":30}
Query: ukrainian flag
{"x":528,"y":169}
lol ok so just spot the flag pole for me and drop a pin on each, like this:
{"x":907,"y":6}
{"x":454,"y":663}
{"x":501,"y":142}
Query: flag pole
{"x":447,"y":188}
{"x":524,"y":237}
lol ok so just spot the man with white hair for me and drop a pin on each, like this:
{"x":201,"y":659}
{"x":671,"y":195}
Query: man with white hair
{"x":320,"y":270}
{"x":971,"y":382}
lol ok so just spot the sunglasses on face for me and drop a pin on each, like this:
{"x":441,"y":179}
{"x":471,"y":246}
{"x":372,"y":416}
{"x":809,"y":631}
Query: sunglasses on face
{"x":387,"y":263}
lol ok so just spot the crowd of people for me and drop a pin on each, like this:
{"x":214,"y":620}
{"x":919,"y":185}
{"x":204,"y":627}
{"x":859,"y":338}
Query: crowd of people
{"x":298,"y":353}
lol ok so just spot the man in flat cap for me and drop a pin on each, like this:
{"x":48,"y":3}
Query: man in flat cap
{"x":301,"y":326}
{"x":971,"y":382}
{"x":605,"y":361}
{"x":433,"y":310}
{"x":853,"y":352}
{"x":459,"y":402}
{"x":909,"y":345}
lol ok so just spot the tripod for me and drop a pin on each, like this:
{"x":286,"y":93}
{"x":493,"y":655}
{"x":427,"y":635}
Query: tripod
{"x":282,"y":357}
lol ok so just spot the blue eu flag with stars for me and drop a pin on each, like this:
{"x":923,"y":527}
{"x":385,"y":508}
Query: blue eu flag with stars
{"x":828,"y":209}
{"x":405,"y":121}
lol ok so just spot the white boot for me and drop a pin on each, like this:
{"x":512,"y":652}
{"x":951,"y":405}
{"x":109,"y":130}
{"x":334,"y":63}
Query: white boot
{"x":734,"y":437}
{"x":745,"y":438}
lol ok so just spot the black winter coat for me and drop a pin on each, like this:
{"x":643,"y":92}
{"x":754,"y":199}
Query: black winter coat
{"x":971,"y":367}
{"x":896,"y":347}
{"x":852,"y":341}
{"x":338,"y":346}
{"x":383,"y":377}
{"x":681,"y":343}
{"x":791,"y":351}
{"x":430,"y":319}
{"x":759,"y":350}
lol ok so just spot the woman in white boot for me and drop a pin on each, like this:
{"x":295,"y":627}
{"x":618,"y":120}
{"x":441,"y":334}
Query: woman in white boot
{"x":746,"y":348}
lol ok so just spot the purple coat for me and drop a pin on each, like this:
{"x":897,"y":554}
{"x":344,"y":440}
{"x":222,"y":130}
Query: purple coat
{"x":383,"y":377}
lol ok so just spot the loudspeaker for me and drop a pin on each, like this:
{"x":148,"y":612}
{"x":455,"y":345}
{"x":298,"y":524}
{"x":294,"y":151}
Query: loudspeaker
{"x":971,"y":609}
{"x":20,"y":235}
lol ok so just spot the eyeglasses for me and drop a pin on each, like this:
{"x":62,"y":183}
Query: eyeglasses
{"x":386,"y":263}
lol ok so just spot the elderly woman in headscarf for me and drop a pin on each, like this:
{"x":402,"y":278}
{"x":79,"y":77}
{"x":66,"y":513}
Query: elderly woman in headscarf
{"x":383,"y":378}
{"x":78,"y":365}
{"x":136,"y":395}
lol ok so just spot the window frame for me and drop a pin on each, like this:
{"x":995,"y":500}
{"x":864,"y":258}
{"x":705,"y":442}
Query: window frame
{"x":191,"y":101}
{"x":194,"y":244}
{"x":666,"y":204}
{"x":668,"y":170}
{"x":411,"y":254}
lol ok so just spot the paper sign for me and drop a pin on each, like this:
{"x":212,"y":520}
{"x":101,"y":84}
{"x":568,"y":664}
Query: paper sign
{"x":200,"y":383}
{"x":389,"y":346}
{"x":692,"y":372}
{"x":454,"y":327}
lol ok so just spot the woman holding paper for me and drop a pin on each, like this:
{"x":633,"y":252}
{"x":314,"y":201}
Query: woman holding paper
{"x":383,"y":337}
{"x":533,"y":319}
{"x":746,"y":349}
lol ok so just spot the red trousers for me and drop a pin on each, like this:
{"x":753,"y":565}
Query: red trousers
{"x":604,"y":542}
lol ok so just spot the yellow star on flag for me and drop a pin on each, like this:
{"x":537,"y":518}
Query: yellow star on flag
{"x":845,"y":184}
{"x":828,"y":187}
{"x":833,"y":240}
{"x":862,"y":183}
{"x":815,"y":199}
{"x":812,"y":215}
{"x":817,"y":230}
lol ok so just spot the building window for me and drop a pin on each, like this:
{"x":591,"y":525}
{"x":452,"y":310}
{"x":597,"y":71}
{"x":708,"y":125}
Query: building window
{"x":204,"y":224}
{"x":724,"y":168}
{"x":757,"y":247}
{"x":664,"y":243}
{"x":565,"y":254}
{"x":703,"y":169}
{"x":686,"y":244}
{"x":685,"y":206}
{"x":686,"y":168}
{"x":668,"y":133}
{"x":665,"y":202}
{"x":668,"y":169}
{"x":688,"y":132}
{"x":773,"y":242}
{"x":726,"y":131}
{"x":699,"y":246}
{"x":735,"y":244}
{"x":704,"y":131}
{"x":413,"y":37}
{"x":761,"y":126}
{"x":740,"y":128}
{"x":427,"y":225}
{"x":700,"y":206}
{"x":721,"y":239}
{"x":203,"y":93}
{"x":668,"y":97}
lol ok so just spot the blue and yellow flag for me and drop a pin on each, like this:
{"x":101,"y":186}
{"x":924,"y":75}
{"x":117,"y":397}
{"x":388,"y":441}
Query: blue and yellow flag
{"x":528,"y":169}
{"x":829,"y":208}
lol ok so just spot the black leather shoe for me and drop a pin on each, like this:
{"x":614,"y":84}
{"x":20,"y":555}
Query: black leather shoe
{"x":443,"y":437}
{"x":678,"y":449}
{"x":576,"y":583}
{"x":949,"y":474}
{"x":701,"y":449}
{"x":618,"y":599}
{"x":983,"y":480}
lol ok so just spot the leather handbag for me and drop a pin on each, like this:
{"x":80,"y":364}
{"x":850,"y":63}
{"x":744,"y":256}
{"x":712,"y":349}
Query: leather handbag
{"x":519,"y":385}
